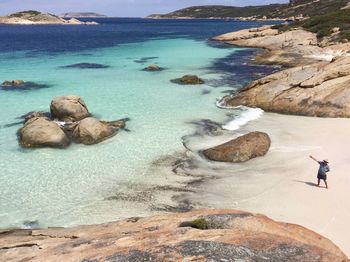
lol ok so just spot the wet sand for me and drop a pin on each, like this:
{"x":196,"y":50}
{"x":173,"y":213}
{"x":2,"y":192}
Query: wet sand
{"x":282,"y":184}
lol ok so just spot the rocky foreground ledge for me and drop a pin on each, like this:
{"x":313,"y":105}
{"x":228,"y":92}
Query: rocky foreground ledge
{"x":202,"y":235}
{"x":316,"y":82}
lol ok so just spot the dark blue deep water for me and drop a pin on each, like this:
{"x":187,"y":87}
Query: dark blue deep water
{"x":110,"y":32}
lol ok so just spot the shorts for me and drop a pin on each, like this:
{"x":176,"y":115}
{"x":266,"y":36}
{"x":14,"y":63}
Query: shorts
{"x":322,"y":176}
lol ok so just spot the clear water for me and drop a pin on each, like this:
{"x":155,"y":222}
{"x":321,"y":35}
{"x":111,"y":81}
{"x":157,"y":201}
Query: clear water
{"x":68,"y":187}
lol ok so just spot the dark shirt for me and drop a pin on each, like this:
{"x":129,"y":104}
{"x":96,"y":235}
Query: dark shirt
{"x":324,"y":168}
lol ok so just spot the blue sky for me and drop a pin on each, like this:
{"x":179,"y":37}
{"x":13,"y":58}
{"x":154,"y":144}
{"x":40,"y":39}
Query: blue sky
{"x":130,"y":8}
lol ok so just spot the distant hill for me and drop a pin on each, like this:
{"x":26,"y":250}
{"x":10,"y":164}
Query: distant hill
{"x":32,"y":17}
{"x":295,"y":8}
{"x":81,"y":15}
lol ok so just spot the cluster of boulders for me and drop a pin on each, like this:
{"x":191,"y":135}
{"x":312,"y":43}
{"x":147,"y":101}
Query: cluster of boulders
{"x":69,"y":120}
{"x":241,"y":149}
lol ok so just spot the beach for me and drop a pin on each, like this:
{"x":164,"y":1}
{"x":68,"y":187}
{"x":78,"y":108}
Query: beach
{"x":156,"y":163}
{"x":282,"y":184}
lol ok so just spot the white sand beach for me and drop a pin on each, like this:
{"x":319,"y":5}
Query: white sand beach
{"x":282,"y":185}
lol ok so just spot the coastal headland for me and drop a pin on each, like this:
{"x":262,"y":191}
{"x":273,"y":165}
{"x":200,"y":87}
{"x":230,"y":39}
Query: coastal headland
{"x":313,"y":81}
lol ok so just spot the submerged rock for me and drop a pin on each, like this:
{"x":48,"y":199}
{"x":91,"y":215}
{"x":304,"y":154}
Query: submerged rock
{"x":201,"y":235}
{"x":42,"y":132}
{"x":69,"y":108}
{"x":86,"y":66}
{"x":12,"y":83}
{"x":21,"y":85}
{"x":240,"y":149}
{"x":29,"y":224}
{"x":146,"y":59}
{"x":153,"y":68}
{"x":188,"y":80}
{"x":92,"y":131}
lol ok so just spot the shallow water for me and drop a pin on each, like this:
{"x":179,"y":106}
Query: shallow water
{"x":69,"y":187}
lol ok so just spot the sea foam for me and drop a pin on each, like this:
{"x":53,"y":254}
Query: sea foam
{"x":246,"y":115}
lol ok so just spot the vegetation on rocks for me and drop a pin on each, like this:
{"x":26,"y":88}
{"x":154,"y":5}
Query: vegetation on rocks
{"x":199,"y":223}
{"x":324,"y":25}
{"x":295,"y":8}
{"x":25,"y":13}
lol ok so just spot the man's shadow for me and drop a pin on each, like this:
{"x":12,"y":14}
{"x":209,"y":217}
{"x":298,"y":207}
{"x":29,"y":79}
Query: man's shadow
{"x":307,"y":183}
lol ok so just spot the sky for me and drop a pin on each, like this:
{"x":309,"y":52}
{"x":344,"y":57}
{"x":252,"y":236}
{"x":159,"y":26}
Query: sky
{"x":120,"y":8}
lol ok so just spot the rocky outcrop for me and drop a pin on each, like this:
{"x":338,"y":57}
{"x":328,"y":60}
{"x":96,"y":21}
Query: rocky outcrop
{"x":42,"y":132}
{"x":92,"y":131}
{"x":152,"y":68}
{"x":241,"y":149}
{"x":248,"y":34}
{"x":315,"y":85}
{"x":188,"y":80}
{"x":201,"y":235}
{"x":291,"y":48}
{"x":69,"y":108}
{"x":320,"y":89}
{"x":75,"y":123}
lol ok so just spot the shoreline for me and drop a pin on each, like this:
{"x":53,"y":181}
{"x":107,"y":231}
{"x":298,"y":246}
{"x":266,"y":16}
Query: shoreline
{"x":281,"y":184}
{"x":293,"y":137}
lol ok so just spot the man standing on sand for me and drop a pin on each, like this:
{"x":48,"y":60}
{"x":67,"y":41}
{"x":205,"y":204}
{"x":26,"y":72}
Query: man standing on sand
{"x":322,"y":171}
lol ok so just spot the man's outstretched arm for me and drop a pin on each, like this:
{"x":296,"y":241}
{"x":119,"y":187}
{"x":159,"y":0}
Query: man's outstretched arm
{"x":313,"y":158}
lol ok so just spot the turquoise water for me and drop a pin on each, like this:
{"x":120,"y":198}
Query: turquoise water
{"x":68,"y":187}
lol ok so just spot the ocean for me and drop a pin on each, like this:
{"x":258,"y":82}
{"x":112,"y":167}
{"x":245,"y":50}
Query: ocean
{"x":73,"y":186}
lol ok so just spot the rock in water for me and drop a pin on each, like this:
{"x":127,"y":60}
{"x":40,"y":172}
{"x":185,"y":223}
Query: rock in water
{"x":13,"y":83}
{"x":69,"y":108}
{"x":189,"y":80}
{"x":41,"y":132}
{"x":152,"y":68}
{"x":240,"y":149}
{"x":30,"y":115}
{"x":92,"y":131}
{"x":86,"y":66}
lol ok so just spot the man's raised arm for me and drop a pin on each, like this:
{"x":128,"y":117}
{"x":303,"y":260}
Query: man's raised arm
{"x":313,"y":158}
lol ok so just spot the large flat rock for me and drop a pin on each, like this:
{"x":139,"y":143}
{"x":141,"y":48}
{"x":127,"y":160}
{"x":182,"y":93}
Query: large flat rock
{"x":202,"y":235}
{"x":320,"y":89}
